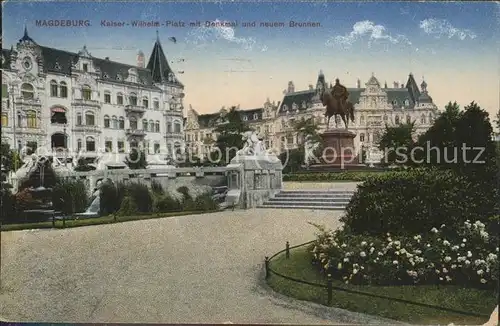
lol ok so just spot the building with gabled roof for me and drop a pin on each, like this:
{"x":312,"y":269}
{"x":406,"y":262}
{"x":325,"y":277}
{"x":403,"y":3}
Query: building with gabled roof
{"x":72,"y":102}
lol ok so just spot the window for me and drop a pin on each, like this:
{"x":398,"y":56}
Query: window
{"x":422,"y":119}
{"x":119,"y":99}
{"x":85,"y":67}
{"x":430,"y":117}
{"x":79,"y":119}
{"x":157,"y":126}
{"x":5,"y":119}
{"x":145,"y":103}
{"x":156,"y":104}
{"x":31,"y":119}
{"x":169,"y":127}
{"x":407,"y":102}
{"x":106,"y":121}
{"x":114,"y":122}
{"x":19,"y":119}
{"x":121,"y":123}
{"x":245,"y":118}
{"x":289,"y":139}
{"x":133,"y":123}
{"x":156,"y":148}
{"x":63,"y":90}
{"x":151,"y":126}
{"x":385,"y":118}
{"x":362,"y":120}
{"x":58,"y":115}
{"x":396,"y":120}
{"x":108,"y":145}
{"x":408,"y":119}
{"x":255,"y":116}
{"x":86,"y":92}
{"x":177,"y":127}
{"x":121,"y":146}
{"x":361,"y":137}
{"x":53,"y":88}
{"x":27,"y":92}
{"x":107,"y":97}
{"x":132,"y":99}
{"x":79,"y":145}
{"x":145,"y":125}
{"x":90,"y":144}
{"x":89,"y":118}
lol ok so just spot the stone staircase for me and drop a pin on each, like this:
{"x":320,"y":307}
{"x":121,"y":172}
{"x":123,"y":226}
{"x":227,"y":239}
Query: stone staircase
{"x":310,"y":199}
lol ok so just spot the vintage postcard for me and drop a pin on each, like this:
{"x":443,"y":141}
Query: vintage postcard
{"x":250,"y":162}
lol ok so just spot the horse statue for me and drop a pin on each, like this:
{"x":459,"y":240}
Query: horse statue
{"x":337,"y":103}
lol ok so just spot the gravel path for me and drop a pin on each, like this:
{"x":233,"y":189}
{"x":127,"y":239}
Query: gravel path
{"x":190,"y":269}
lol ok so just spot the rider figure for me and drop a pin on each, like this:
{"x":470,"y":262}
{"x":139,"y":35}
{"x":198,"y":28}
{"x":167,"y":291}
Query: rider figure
{"x":340,"y":93}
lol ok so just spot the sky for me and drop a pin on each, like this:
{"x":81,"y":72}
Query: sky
{"x":455,"y":46}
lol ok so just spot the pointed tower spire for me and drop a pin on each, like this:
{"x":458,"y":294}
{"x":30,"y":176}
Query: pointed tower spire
{"x":26,"y":37}
{"x":25,"y":31}
{"x":158,"y":64}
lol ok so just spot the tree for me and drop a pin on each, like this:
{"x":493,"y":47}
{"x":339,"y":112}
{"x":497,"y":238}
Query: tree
{"x":10,"y":158}
{"x":396,"y":143}
{"x":498,"y":121}
{"x":230,"y":138}
{"x":136,"y":160}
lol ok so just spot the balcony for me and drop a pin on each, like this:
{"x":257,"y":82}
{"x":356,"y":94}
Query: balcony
{"x":135,"y":132}
{"x":29,"y":131}
{"x":134,"y":109}
{"x":87,"y":128}
{"x":28,"y":101}
{"x":174,"y":135}
{"x":85,"y":102}
{"x":177,"y":113}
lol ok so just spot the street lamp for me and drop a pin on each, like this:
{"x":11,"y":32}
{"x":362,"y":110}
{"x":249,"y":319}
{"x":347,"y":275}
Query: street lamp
{"x":65,"y":147}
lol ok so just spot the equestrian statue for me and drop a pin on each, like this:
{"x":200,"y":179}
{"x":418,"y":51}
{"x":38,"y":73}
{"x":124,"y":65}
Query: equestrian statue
{"x":337,"y":103}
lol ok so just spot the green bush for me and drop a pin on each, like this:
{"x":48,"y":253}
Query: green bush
{"x":70,"y":196}
{"x":415,"y":200}
{"x":166,"y":203}
{"x":111,"y":197}
{"x":336,"y":176}
{"x":203,"y":202}
{"x":157,"y":188}
{"x":128,"y":207}
{"x":8,"y":204}
{"x":141,"y":195}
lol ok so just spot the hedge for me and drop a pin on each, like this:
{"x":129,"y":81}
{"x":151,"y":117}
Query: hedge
{"x":337,"y":176}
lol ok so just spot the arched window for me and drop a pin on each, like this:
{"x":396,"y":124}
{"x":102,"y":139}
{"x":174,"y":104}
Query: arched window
{"x":156,"y":104}
{"x":396,"y":119}
{"x":107,"y":97}
{"x":53,"y":88}
{"x":31,"y":121}
{"x":121,"y":123}
{"x":157,"y":126}
{"x":132,"y":99}
{"x":114,"y":122}
{"x":27,"y":91}
{"x":63,"y":90}
{"x":422,"y":119}
{"x":133,"y":123}
{"x":79,"y":145}
{"x":145,"y":125}
{"x":89,"y":118}
{"x":151,"y":126}
{"x":361,"y":137}
{"x":156,"y":148}
{"x":145,"y":102}
{"x":408,"y":119}
{"x":119,"y":99}
{"x":407,"y":102}
{"x":86,"y":92}
{"x":245,"y":118}
{"x":5,"y":119}
{"x":106,"y":121}
{"x":177,"y":127}
{"x":79,"y":121}
{"x":90,"y":144}
{"x":255,"y":116}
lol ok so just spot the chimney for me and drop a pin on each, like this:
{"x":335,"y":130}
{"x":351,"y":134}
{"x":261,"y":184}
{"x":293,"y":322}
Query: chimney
{"x":311,"y":87}
{"x":107,"y":58}
{"x":358,"y":84}
{"x":396,"y":84}
{"x":140,"y":59}
{"x":291,"y":87}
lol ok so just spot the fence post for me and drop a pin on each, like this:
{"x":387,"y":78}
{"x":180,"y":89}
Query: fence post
{"x":267,"y":267}
{"x":287,"y":251}
{"x":53,"y":220}
{"x":329,"y":288}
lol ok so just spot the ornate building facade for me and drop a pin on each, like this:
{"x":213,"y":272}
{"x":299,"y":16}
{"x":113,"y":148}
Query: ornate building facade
{"x":62,"y":103}
{"x":376,"y":105}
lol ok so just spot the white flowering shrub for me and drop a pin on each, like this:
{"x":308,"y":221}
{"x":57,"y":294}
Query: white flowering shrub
{"x":465,"y":256}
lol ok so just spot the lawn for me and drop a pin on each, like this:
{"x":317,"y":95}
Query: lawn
{"x":59,"y":224}
{"x":299,"y":266}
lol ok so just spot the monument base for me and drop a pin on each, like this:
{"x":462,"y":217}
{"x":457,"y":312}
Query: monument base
{"x":338,"y":151}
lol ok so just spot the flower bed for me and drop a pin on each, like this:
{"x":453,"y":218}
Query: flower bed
{"x":467,"y":256}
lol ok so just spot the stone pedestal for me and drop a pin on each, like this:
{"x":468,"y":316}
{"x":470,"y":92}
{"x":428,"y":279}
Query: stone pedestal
{"x":338,"y":150}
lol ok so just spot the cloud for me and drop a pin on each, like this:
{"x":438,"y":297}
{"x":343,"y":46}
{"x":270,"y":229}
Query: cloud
{"x":221,"y":31}
{"x":366,"y":29}
{"x":441,"y":27}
